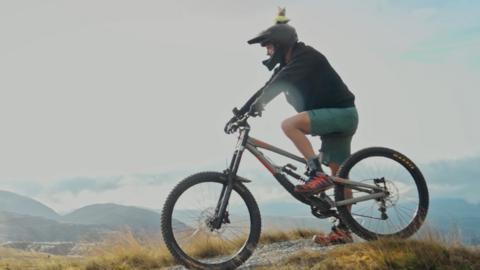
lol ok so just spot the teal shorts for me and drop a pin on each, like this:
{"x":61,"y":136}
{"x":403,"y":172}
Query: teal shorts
{"x":336,"y":127}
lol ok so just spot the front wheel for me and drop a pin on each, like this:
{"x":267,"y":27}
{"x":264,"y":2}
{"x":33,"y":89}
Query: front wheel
{"x":187,"y":223}
{"x":402,"y":212}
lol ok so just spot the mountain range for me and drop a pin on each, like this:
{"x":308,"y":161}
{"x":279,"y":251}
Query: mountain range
{"x":25,"y":219}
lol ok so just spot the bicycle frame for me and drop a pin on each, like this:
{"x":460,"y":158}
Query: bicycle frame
{"x":323,"y":203}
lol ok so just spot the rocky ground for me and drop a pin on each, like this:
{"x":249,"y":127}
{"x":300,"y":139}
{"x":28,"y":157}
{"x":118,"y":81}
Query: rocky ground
{"x":272,"y":254}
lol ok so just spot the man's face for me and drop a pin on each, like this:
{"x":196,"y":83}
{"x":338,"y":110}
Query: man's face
{"x":270,"y":49}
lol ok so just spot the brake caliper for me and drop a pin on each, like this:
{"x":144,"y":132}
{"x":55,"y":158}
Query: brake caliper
{"x":226,"y":219}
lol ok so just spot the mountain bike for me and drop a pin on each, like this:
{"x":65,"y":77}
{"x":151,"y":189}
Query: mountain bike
{"x":210,"y":220}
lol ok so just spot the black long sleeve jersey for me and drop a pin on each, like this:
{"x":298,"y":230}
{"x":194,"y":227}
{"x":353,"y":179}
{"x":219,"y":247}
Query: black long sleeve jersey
{"x":308,"y":81}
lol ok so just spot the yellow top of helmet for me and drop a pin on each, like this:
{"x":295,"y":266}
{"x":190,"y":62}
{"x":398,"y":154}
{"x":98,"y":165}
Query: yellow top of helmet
{"x":281,"y":18}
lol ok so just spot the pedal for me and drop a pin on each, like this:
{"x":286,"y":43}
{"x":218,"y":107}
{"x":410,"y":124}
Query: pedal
{"x":324,"y":214}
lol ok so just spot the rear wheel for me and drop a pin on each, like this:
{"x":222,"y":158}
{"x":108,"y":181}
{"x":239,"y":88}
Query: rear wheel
{"x":402,"y":212}
{"x":188,"y":232}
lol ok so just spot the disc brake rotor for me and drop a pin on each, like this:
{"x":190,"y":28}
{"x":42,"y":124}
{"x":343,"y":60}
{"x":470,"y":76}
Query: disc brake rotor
{"x":205,"y":222}
{"x":394,"y":194}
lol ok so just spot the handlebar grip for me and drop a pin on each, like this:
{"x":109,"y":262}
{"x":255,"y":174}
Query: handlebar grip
{"x":236,"y":111}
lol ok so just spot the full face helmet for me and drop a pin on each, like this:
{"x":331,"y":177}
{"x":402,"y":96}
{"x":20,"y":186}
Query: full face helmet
{"x":282,"y":36}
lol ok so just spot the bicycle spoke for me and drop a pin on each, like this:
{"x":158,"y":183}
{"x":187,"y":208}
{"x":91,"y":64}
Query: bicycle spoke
{"x":406,"y":213}
{"x":407,"y":208}
{"x":185,"y":230}
{"x":190,"y":236}
{"x":406,"y":193}
{"x":195,"y":209}
{"x":232,"y":226}
{"x":402,"y":219}
{"x":371,"y":217}
{"x":236,"y":234}
{"x":188,"y":217}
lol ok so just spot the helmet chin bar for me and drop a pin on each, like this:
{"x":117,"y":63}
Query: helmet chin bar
{"x":278,"y":57}
{"x":269,"y":63}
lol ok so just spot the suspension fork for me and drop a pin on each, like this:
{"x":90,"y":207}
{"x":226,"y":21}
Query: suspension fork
{"x":231,"y":174}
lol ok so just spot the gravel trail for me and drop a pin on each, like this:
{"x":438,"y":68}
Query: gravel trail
{"x":271,"y":254}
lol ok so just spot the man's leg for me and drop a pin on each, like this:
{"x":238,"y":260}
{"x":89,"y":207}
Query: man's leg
{"x":334,"y":169}
{"x":340,"y":233}
{"x":296,"y":128}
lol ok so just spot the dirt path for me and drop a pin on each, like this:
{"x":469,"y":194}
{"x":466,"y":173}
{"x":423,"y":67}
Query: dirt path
{"x":272,"y":253}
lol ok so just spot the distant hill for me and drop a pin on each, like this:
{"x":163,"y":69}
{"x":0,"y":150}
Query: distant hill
{"x":449,"y":207}
{"x":444,"y":214}
{"x":18,"y":227}
{"x":457,"y":178}
{"x":12,"y":202}
{"x":117,"y":216}
{"x":24,"y":219}
{"x":449,"y":215}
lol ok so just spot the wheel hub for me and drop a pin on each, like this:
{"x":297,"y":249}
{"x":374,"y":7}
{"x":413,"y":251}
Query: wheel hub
{"x":206,"y":220}
{"x":393,"y":194}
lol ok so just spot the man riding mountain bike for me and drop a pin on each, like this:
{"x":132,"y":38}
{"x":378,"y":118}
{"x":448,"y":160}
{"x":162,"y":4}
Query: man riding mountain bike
{"x":324,"y":104}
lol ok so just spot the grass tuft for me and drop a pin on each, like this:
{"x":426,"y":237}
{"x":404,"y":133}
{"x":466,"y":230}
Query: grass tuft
{"x":387,"y":254}
{"x":279,"y":235}
{"x":124,"y":251}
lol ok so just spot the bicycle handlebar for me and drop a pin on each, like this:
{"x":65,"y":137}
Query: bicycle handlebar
{"x":240,"y":120}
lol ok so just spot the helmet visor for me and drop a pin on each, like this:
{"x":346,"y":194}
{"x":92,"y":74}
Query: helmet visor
{"x":262,"y":38}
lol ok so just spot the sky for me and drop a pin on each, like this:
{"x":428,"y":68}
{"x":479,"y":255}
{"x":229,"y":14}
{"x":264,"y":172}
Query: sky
{"x":110,"y":94}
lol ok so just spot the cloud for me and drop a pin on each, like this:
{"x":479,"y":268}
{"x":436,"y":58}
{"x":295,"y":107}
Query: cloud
{"x":79,"y":184}
{"x":100,"y":184}
{"x":456,"y":178}
{"x":459,"y":45}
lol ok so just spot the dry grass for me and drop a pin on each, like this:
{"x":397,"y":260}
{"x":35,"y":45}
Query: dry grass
{"x":127,"y":252}
{"x":124,"y":251}
{"x":387,"y":254}
{"x":11,"y":259}
{"x":279,"y":236}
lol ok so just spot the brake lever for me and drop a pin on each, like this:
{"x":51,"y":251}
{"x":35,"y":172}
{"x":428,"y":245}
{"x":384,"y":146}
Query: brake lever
{"x":233,"y":128}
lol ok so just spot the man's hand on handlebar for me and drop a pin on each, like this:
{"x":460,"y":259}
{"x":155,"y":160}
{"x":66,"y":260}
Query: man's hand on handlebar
{"x":256,"y":109}
{"x":230,"y":127}
{"x":232,"y":124}
{"x":239,"y":119}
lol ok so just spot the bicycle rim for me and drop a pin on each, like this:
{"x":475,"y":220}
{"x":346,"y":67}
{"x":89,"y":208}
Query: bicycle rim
{"x":400,"y":213}
{"x":194,"y":235}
